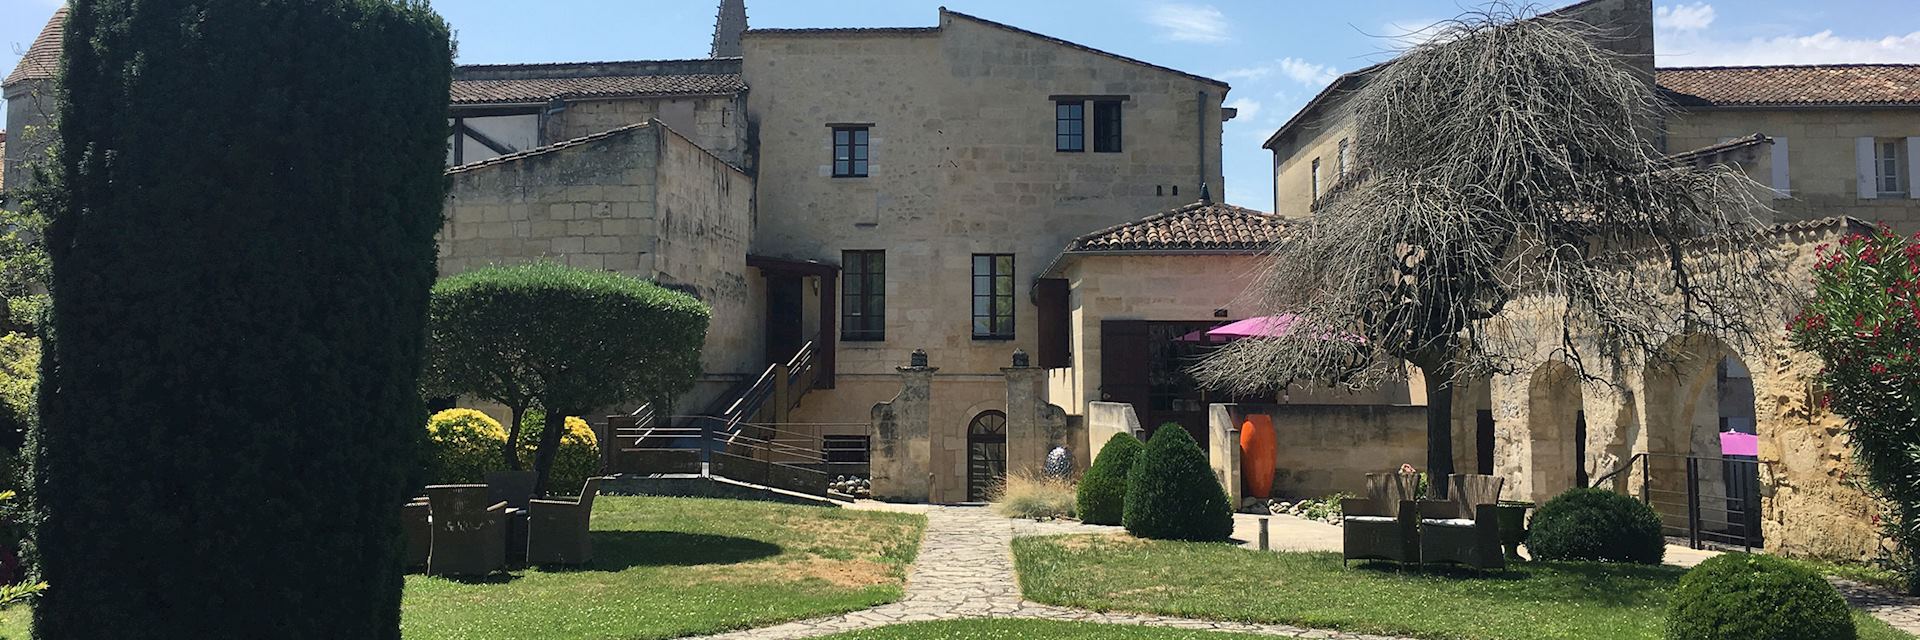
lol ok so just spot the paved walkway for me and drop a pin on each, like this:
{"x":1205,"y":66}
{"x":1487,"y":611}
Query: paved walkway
{"x":965,"y":570}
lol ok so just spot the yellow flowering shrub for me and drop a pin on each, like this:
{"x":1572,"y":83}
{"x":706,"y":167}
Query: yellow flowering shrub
{"x":577,"y":459}
{"x":465,"y":445}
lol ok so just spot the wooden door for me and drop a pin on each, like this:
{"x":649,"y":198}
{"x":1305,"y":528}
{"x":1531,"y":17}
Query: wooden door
{"x":1123,"y":365}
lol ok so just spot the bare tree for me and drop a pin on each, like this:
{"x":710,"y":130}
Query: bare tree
{"x":1504,"y":161}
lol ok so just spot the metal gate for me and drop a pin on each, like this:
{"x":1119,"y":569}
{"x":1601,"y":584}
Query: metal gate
{"x":986,"y":454}
{"x":1707,"y":501}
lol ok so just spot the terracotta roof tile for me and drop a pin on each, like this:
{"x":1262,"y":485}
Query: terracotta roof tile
{"x":43,"y":57}
{"x":532,"y":90}
{"x":1201,"y":226}
{"x":1808,"y":85}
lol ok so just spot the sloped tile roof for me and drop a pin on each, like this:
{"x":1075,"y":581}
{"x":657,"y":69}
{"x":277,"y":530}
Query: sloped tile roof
{"x":533,"y":90}
{"x":1800,"y":85}
{"x":43,"y":57}
{"x":1201,"y":226}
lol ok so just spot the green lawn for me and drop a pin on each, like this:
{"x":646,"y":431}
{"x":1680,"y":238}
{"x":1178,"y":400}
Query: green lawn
{"x":1536,"y":601}
{"x":669,"y":567}
{"x":1029,"y":630}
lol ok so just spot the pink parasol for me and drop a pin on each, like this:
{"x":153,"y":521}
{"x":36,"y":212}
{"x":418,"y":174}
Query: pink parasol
{"x":1733,"y":443}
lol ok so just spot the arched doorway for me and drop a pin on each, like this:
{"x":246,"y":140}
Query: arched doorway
{"x":1557,"y":431}
{"x":1701,"y":433}
{"x":986,"y":454}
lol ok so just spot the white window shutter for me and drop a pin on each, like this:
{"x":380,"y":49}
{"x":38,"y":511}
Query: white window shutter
{"x":1863,"y":157}
{"x":1913,"y":168}
{"x":1782,"y":187}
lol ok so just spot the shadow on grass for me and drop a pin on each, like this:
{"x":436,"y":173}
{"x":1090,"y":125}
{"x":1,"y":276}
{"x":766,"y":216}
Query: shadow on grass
{"x":622,"y":550}
{"x":1604,"y":583}
{"x":501,"y":577}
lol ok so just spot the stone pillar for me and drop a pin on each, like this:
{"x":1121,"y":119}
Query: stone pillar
{"x":1034,"y":426}
{"x":900,"y":436}
{"x":1223,"y":449}
{"x":1104,"y":420}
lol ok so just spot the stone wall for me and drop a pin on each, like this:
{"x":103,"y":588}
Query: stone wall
{"x":716,"y":123}
{"x":1819,"y":145}
{"x":30,"y":111}
{"x":1330,"y":448}
{"x":1108,"y":419}
{"x":641,"y":201}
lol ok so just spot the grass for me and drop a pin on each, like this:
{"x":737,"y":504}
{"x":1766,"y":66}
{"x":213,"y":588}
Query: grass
{"x":1028,"y":630}
{"x":1032,"y":496}
{"x":1855,"y":571}
{"x":1532,"y":601}
{"x":670,"y":567}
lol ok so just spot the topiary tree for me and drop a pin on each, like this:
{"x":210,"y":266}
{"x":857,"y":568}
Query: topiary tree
{"x":1596,"y":524}
{"x":1172,"y":494}
{"x":578,"y":457}
{"x":1738,"y":596}
{"x":1861,"y":324}
{"x":1102,"y":495}
{"x":463,"y":446}
{"x":575,"y":340}
{"x":241,"y":255}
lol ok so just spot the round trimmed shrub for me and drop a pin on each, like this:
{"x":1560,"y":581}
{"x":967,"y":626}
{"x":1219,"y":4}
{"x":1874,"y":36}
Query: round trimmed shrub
{"x":1596,"y":524}
{"x":577,"y":459}
{"x":1102,"y":494}
{"x":1739,"y":596}
{"x":463,"y":445}
{"x":1172,"y":494}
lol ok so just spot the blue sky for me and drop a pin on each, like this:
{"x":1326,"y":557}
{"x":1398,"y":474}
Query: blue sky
{"x":1276,"y":53}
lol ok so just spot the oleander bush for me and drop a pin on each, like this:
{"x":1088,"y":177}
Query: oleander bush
{"x":1172,"y":493}
{"x":1034,"y":496}
{"x":1102,"y":492}
{"x":1596,"y":524}
{"x":1738,"y":596}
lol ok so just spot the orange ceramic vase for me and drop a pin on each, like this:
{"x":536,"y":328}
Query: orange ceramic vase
{"x":1258,"y":444}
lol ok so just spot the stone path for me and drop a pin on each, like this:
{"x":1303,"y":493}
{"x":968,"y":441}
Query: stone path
{"x":1900,"y":611}
{"x":965,"y":570}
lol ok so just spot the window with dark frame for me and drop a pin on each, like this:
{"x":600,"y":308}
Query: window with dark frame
{"x":992,"y":296}
{"x":849,"y":152}
{"x":1106,"y":126}
{"x":863,"y":296}
{"x":1070,"y":126}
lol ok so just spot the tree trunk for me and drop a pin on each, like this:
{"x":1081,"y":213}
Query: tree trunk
{"x":511,"y":448}
{"x":1439,"y":383}
{"x":550,"y":433}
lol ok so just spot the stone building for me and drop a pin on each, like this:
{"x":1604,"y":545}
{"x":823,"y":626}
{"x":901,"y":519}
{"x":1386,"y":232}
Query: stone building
{"x":28,"y":90}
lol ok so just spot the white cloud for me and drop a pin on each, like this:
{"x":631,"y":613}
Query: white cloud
{"x":1701,"y":49}
{"x":1190,"y":22}
{"x":1684,"y":17}
{"x":1249,"y":109}
{"x":1301,"y":71}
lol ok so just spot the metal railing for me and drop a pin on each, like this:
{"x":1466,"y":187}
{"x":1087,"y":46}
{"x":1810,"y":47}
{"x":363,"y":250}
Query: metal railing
{"x":1704,"y":500}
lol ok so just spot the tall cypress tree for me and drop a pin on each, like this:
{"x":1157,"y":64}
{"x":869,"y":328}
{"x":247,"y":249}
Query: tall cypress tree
{"x":242,"y":250}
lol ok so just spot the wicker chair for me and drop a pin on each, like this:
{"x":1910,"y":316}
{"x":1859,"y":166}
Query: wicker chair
{"x":469,"y":533}
{"x":1464,"y":528}
{"x":514,"y":488}
{"x":1384,"y":525}
{"x":415,"y":521}
{"x":557,"y":529}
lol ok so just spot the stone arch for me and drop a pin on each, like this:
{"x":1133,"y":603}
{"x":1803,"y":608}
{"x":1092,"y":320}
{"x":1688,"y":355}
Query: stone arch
{"x":1695,"y":389}
{"x":1557,"y":459}
{"x":986,"y":453}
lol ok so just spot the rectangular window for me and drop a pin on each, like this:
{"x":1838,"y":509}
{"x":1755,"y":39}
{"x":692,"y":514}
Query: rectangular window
{"x":863,"y":296}
{"x":1106,"y":126}
{"x":992,"y":296}
{"x":1070,"y":126}
{"x":1890,"y":167}
{"x":1346,"y":158}
{"x":849,"y":152}
{"x":1316,"y":180}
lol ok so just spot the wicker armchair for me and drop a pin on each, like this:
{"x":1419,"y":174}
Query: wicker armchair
{"x":469,"y":533}
{"x":1464,"y":528}
{"x":557,"y":529}
{"x":514,"y":488}
{"x":415,"y":522}
{"x":1384,"y":525}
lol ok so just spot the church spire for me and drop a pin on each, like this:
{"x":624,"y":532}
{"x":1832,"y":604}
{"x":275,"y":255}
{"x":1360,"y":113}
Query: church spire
{"x":727,"y":29}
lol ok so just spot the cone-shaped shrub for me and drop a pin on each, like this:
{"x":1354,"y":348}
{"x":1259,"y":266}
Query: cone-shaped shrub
{"x":1596,"y":524}
{"x":1102,"y":495}
{"x":1747,"y":597}
{"x":1172,"y":494}
{"x":243,"y":211}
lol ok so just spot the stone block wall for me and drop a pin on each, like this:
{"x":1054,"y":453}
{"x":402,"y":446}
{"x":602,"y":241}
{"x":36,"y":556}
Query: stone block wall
{"x":30,"y":112}
{"x":1819,"y":147}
